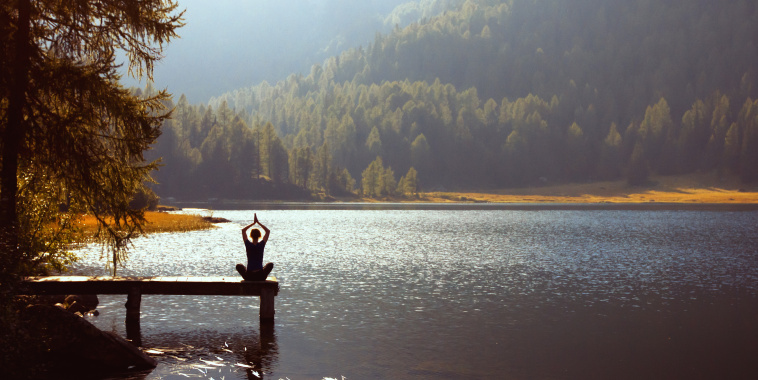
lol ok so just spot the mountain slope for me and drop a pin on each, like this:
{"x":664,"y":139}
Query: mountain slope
{"x":232,"y":43}
{"x":504,"y":93}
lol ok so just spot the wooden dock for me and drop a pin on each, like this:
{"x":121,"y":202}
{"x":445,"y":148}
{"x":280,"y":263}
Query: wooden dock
{"x":135,"y":287}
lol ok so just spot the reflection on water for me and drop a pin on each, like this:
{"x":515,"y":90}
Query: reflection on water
{"x":206,"y":354}
{"x":250,"y":353}
{"x":461,"y":294}
{"x":243,"y":349}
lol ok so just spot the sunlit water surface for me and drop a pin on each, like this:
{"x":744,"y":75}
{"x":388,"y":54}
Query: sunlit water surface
{"x":375,"y":294}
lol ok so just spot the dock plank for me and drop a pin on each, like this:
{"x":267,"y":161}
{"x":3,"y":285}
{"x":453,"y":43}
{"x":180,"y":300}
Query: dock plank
{"x":147,"y":285}
{"x":135,"y":287}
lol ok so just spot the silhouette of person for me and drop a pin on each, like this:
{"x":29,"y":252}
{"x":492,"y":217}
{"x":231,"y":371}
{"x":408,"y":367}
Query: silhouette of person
{"x":255,"y":271}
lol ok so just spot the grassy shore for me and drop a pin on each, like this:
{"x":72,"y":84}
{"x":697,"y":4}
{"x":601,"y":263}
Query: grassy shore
{"x":158,"y":222}
{"x":692,"y":189}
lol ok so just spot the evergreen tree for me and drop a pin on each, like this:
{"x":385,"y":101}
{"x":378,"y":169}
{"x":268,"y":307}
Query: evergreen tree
{"x":321,"y":169}
{"x":344,"y":182}
{"x":265,"y":148}
{"x":693,"y":137}
{"x":749,"y":154}
{"x":421,"y":155}
{"x":71,"y":138}
{"x":408,"y":184}
{"x":374,"y":143}
{"x":653,"y":132}
{"x":733,"y":148}
{"x":278,"y":161}
{"x":638,"y":170}
{"x":66,"y":119}
{"x":301,"y":165}
{"x":372,"y":178}
{"x":388,"y":183}
{"x":719,"y":127}
{"x":610,"y":157}
{"x":576,"y":153}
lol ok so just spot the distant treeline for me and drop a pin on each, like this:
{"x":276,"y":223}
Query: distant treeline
{"x":498,"y":93}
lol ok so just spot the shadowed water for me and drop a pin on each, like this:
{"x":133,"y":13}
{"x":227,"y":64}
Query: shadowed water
{"x":459,"y":294}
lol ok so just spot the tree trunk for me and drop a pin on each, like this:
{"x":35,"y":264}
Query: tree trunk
{"x":12,"y":137}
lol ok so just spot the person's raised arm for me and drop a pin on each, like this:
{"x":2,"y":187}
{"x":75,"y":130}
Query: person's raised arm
{"x":244,"y":231}
{"x":268,"y":232}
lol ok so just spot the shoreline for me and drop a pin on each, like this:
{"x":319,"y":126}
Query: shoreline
{"x":157,"y":222}
{"x":690,"y":192}
{"x":525,"y":206}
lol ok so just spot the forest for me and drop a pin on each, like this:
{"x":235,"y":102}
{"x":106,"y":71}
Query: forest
{"x":489,"y":94}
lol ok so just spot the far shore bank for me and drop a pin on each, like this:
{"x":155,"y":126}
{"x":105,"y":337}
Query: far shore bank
{"x":652,"y":206}
{"x":694,"y":192}
{"x":692,"y":189}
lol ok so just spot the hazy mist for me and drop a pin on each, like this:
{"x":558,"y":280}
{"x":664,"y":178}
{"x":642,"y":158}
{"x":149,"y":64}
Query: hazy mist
{"x":229,"y":44}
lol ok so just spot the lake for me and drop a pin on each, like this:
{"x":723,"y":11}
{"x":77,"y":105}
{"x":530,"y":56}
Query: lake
{"x":393,"y":292}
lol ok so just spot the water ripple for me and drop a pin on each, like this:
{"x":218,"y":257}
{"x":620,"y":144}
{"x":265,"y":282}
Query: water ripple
{"x":392,"y":291}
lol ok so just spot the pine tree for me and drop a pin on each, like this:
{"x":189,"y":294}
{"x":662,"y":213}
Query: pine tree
{"x":421,"y":156}
{"x":610,"y":155}
{"x":68,"y":122}
{"x":345,"y":182}
{"x":719,"y":127}
{"x":408,"y":184}
{"x":321,"y":169}
{"x":301,"y":165}
{"x":72,"y":140}
{"x":388,"y":184}
{"x":279,"y":161}
{"x":693,"y":138}
{"x":576,"y":150}
{"x":372,"y":178}
{"x":638,"y":171}
{"x":749,"y":153}
{"x":653,"y":133}
{"x":374,"y":142}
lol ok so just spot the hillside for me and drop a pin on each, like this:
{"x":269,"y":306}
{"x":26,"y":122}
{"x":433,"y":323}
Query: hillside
{"x":494,"y":94}
{"x":232,"y":43}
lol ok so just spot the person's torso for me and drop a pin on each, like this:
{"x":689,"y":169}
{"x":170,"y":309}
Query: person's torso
{"x":254,"y":254}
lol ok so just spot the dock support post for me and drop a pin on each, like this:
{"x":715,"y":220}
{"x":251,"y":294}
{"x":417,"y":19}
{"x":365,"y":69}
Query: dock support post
{"x":267,"y":304}
{"x":133,"y":301}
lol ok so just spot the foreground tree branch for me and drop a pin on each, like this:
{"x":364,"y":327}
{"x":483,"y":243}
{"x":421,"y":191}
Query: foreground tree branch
{"x":72,"y":137}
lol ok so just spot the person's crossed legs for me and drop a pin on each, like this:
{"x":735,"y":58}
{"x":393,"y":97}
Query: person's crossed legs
{"x":255,"y":275}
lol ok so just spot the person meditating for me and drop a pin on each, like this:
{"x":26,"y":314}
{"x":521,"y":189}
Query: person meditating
{"x":255,"y":270}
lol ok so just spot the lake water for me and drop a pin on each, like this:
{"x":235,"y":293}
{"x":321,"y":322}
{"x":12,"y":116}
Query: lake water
{"x":452,"y":292}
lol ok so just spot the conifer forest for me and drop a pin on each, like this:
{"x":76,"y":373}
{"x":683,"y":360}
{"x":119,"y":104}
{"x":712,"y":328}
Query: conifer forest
{"x":487,"y":94}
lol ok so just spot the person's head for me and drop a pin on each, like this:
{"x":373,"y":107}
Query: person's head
{"x":255,"y":234}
